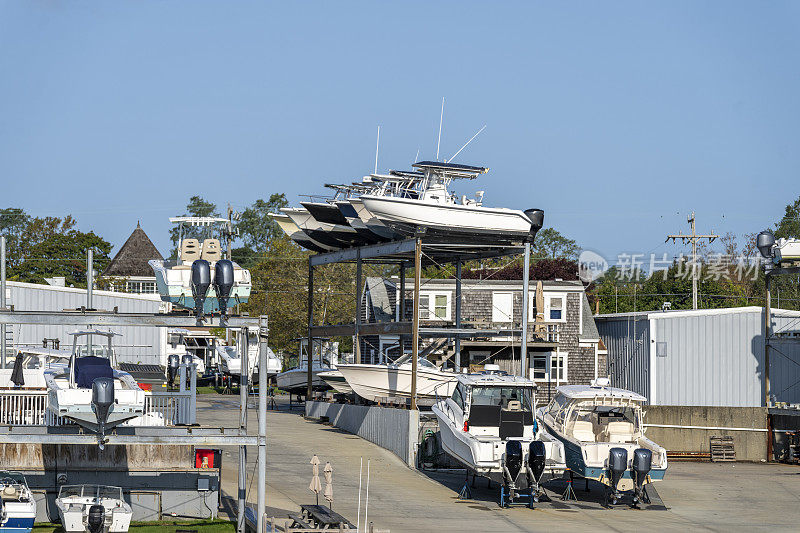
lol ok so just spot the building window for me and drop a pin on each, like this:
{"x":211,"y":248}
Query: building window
{"x":502,"y":306}
{"x":552,"y":363}
{"x":141,"y":287}
{"x":434,"y":306}
{"x":555,"y":308}
{"x":553,"y":332}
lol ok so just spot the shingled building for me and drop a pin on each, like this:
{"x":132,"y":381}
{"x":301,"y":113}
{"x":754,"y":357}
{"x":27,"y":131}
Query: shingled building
{"x":129,"y":271}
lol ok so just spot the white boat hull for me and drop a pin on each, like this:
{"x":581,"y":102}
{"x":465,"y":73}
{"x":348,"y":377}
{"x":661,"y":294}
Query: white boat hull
{"x":174,"y":286}
{"x":295,"y":381}
{"x":336,"y":381}
{"x":376,"y":382}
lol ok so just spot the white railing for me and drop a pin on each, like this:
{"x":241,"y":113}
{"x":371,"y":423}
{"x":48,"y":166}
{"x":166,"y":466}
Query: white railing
{"x":29,"y":407}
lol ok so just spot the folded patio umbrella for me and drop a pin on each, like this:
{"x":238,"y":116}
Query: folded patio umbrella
{"x":17,"y":377}
{"x":315,"y":486}
{"x":328,"y":471}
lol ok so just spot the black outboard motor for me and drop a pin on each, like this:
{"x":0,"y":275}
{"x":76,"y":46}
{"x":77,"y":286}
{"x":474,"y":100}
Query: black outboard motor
{"x":172,"y":369}
{"x":223,"y":283}
{"x":102,"y":400}
{"x":186,"y":360}
{"x":537,"y":221}
{"x":536,"y":462}
{"x":617,"y":465}
{"x":97,"y":517}
{"x":201,"y":281}
{"x":642,"y":463}
{"x":512,"y":464}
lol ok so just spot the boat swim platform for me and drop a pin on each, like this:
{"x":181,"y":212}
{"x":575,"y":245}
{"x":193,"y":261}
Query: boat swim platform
{"x":128,"y":435}
{"x":403,"y":252}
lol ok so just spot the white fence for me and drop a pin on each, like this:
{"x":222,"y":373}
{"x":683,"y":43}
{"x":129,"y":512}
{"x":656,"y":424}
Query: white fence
{"x":29,"y":407}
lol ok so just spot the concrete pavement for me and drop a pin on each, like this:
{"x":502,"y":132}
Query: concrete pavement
{"x":715,"y":497}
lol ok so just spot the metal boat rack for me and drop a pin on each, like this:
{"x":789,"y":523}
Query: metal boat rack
{"x":415,"y":252}
{"x":182,"y":435}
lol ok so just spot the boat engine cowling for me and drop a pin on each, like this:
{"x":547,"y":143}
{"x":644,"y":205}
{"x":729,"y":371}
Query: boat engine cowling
{"x":201,"y":281}
{"x":172,"y":368}
{"x":617,"y":465}
{"x":642,"y":463}
{"x":536,"y":217}
{"x":536,"y":458}
{"x":102,"y":400}
{"x":513,"y":458}
{"x":223,"y":283}
{"x":96,"y":518}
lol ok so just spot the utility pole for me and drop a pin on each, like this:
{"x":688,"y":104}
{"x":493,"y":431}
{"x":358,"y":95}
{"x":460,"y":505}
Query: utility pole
{"x":693,"y":238}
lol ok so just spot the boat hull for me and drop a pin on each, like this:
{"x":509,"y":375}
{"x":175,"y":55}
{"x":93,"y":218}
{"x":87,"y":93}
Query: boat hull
{"x":336,"y":381}
{"x":19,"y":517}
{"x":375,"y":382}
{"x":295,"y":381}
{"x":174,"y":286}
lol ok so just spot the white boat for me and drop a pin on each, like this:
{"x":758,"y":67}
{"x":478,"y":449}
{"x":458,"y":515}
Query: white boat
{"x":34,"y":363}
{"x":325,"y":356}
{"x":93,"y":508}
{"x":602,"y":429}
{"x":335,"y":380}
{"x":438,"y":214}
{"x":176,"y":345}
{"x":90,"y":390}
{"x":17,"y":504}
{"x":200,"y":278}
{"x":332,"y":235}
{"x":297,"y":235}
{"x":230,"y":360}
{"x":488,"y":425}
{"x":375,"y":383}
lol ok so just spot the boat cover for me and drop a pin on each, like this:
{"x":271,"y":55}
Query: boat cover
{"x":89,"y":368}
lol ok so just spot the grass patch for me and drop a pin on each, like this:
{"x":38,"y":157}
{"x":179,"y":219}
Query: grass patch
{"x":211,"y":389}
{"x":167,"y":526}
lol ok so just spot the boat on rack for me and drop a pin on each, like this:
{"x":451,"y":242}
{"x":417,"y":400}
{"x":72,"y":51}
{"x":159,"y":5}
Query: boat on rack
{"x":230,"y":360}
{"x":438,"y":214}
{"x":376,"y":383}
{"x":200,"y":278}
{"x":17,"y":504}
{"x":333,"y":235}
{"x":90,"y":390}
{"x":488,"y":425}
{"x":297,"y":235}
{"x":335,"y":380}
{"x":93,"y":508}
{"x":602,"y":429}
{"x":325,"y":356}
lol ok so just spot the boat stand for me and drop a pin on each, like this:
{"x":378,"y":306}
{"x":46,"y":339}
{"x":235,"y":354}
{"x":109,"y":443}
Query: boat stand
{"x":466,"y":492}
{"x":569,"y":493}
{"x":525,"y":497}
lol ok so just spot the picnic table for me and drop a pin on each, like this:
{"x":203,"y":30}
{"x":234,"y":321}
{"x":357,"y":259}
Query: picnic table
{"x":322,"y":517}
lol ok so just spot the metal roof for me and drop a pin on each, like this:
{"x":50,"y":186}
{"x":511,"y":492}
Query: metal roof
{"x":677,"y":313}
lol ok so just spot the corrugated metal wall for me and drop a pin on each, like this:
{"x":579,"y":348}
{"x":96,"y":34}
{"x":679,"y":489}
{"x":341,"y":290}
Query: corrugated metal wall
{"x":627,"y":360}
{"x":137,"y":344}
{"x":707,"y":359}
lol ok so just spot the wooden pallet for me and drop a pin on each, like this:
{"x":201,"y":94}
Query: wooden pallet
{"x":722,"y":449}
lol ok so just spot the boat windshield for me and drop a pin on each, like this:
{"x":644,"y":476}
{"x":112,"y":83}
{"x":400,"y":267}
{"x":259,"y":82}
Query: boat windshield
{"x":90,"y":491}
{"x":97,"y":350}
{"x":11,"y":478}
{"x":498,"y":395}
{"x":601,"y":415}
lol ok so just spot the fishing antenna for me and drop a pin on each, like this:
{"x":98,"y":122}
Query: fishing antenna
{"x":377,"y":145}
{"x":439,"y":140}
{"x":417,"y":157}
{"x":465,"y":144}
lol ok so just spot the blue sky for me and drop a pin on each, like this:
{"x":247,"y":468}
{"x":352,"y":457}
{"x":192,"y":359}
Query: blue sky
{"x":617,"y":119}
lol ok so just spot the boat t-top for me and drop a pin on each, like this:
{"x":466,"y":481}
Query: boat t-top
{"x":93,"y":508}
{"x":90,"y":390}
{"x":488,"y":425}
{"x":17,"y":504}
{"x":602,"y":429}
{"x":200,"y":278}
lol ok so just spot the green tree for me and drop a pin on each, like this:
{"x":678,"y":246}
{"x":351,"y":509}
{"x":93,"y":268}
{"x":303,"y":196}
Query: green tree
{"x":550,"y":243}
{"x":789,"y":226}
{"x":256,"y":228}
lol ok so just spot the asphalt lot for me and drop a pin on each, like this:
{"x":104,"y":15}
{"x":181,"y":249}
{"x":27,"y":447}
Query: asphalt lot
{"x":694,"y":496}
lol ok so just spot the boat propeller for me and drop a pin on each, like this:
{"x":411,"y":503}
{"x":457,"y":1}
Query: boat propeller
{"x":512,"y":464}
{"x":96,"y":518}
{"x":617,"y":465}
{"x":535,"y":467}
{"x":223,"y":283}
{"x":102,"y":400}
{"x":642,"y":462}
{"x":201,"y":281}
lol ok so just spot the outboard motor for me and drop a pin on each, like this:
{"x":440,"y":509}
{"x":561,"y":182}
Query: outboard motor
{"x":764,"y":242}
{"x":102,"y":400}
{"x":536,"y":462}
{"x":186,"y":360}
{"x":223,"y":283}
{"x":172,"y":369}
{"x":512,"y":464}
{"x":95,"y":520}
{"x":617,"y":465}
{"x":537,"y":221}
{"x":642,"y":463}
{"x":201,"y":281}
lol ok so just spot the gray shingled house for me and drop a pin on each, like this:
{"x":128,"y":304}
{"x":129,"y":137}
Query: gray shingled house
{"x":564,"y":346}
{"x":128,"y":271}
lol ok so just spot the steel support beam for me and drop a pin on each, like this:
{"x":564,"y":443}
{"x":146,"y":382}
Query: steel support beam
{"x":415,"y":322}
{"x":357,"y":334}
{"x":242,"y":492}
{"x":110,"y":318}
{"x":164,"y":436}
{"x":2,"y":299}
{"x":366,"y":252}
{"x":262,"y":422}
{"x":406,"y":328}
{"x":457,"y":341}
{"x":523,"y":345}
{"x":402,"y":305}
{"x":310,"y":344}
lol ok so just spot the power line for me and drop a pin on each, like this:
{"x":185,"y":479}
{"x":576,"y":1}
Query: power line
{"x":693,"y":238}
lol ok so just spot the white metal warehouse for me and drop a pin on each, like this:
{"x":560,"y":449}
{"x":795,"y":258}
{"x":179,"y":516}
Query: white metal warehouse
{"x":708,"y":357}
{"x":146,"y":345}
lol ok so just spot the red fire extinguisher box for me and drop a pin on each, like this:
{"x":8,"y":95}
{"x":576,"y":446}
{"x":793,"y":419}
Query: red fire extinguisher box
{"x":204,"y":458}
